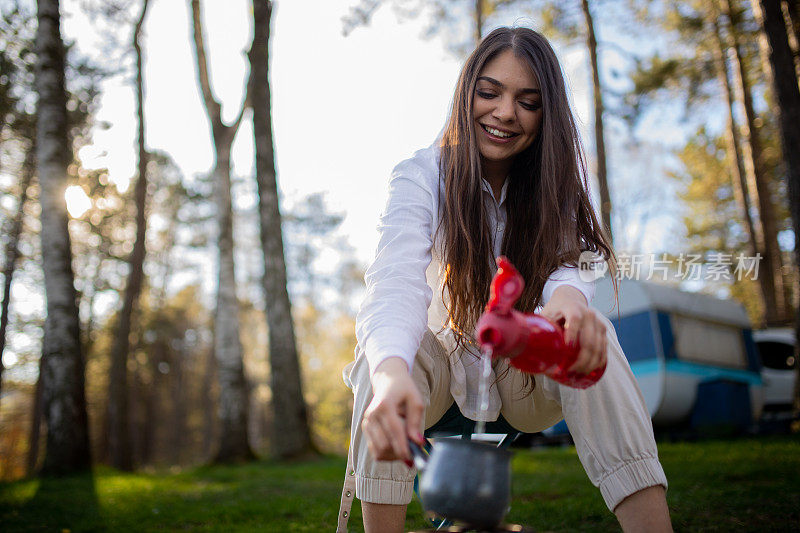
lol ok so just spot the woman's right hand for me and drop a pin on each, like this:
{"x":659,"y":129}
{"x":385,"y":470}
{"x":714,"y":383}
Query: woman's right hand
{"x":395,"y":413}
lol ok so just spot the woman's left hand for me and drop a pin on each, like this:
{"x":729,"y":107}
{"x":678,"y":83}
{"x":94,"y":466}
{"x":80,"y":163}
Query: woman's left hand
{"x":568,"y":308}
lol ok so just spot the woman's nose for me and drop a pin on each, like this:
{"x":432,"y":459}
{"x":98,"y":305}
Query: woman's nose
{"x":504,"y":110}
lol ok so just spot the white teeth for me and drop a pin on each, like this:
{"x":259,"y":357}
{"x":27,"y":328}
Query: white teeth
{"x":497,"y":133}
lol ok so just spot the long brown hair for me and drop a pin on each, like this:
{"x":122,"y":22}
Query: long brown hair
{"x":550,"y":216}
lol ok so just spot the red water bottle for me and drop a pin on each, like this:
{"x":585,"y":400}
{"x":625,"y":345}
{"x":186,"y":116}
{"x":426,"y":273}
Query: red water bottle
{"x":532,"y":343}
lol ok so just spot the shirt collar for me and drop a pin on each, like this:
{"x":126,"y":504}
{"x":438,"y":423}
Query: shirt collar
{"x":488,"y":188}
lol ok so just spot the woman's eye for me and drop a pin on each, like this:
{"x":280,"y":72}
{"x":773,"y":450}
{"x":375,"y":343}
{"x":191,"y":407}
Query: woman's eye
{"x":484,"y":94}
{"x":531,"y":106}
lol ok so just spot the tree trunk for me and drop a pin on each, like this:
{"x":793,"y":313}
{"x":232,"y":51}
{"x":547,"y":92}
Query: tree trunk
{"x":791,"y":14}
{"x":599,"y":139}
{"x":738,"y":175}
{"x":290,"y":433}
{"x":770,"y":268}
{"x":63,"y":369}
{"x":118,"y":416}
{"x":147,"y":398}
{"x":36,"y":425}
{"x":788,"y":98}
{"x":12,"y":249}
{"x":233,"y":398}
{"x":233,"y":395}
{"x":791,"y":10}
{"x":178,"y":399}
{"x":207,"y":400}
{"x":763,"y":43}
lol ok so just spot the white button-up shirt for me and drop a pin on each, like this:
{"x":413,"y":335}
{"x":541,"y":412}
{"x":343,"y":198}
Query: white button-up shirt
{"x":404,"y":282}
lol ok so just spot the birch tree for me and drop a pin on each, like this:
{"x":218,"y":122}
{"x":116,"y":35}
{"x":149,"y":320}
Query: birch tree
{"x":63,"y":363}
{"x":233,"y":400}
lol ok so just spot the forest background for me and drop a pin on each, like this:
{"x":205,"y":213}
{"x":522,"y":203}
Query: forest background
{"x":219,"y":225}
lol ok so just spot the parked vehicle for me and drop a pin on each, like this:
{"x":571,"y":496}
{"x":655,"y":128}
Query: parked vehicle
{"x":692,"y":354}
{"x":778,"y":373}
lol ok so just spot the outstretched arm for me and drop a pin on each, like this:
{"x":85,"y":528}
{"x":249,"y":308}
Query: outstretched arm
{"x":569,"y":307}
{"x":393,"y":316}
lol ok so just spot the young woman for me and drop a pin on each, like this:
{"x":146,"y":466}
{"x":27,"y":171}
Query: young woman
{"x":506,"y":177}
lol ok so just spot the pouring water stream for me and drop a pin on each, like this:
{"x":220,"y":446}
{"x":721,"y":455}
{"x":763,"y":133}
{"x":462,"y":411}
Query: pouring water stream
{"x":483,"y":388}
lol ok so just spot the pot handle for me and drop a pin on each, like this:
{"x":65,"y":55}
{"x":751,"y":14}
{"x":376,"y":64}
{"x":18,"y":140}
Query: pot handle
{"x":420,"y":456}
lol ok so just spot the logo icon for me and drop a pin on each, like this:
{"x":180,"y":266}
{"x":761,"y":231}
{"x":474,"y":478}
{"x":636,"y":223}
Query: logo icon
{"x":591,"y":266}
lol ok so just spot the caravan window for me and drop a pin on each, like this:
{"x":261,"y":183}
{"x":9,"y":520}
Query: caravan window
{"x":777,"y":355}
{"x":701,"y":341}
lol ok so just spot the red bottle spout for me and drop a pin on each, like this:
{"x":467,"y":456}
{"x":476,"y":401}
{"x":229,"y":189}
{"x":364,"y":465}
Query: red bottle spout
{"x":498,"y":327}
{"x":490,"y":334}
{"x":499,"y":331}
{"x":506,"y":287}
{"x":532,"y":343}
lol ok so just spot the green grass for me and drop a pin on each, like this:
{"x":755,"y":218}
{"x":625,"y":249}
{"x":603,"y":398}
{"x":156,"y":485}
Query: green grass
{"x":742,"y":485}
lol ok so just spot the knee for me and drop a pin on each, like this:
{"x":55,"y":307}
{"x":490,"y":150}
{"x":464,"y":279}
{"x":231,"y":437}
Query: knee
{"x":529,"y":411}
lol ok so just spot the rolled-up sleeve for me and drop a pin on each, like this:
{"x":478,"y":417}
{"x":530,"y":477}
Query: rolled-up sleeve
{"x":394,"y":314}
{"x":567,"y":275}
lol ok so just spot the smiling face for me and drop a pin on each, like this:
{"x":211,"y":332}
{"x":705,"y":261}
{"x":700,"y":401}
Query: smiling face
{"x":507,"y":110}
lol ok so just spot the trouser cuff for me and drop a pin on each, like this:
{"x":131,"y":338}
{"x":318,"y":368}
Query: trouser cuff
{"x":387,"y":491}
{"x":630,"y":478}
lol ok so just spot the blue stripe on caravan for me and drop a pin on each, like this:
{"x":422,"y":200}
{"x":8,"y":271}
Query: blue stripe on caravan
{"x":667,"y":337}
{"x":646,"y":367}
{"x":635,"y":335}
{"x":713,"y":372}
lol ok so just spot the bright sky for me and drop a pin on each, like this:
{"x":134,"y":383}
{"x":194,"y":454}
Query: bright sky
{"x":345,"y":109}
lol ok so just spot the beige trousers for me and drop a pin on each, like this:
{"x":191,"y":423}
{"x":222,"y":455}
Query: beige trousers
{"x":609,"y":423}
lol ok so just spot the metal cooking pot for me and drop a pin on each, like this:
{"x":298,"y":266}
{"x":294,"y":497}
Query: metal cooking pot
{"x":465,"y":481}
